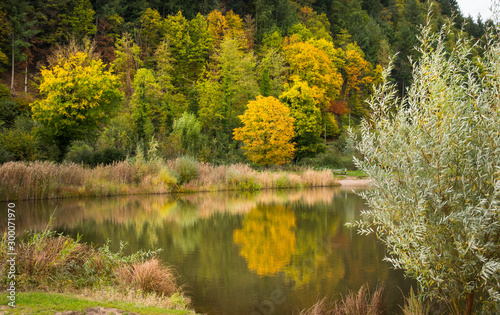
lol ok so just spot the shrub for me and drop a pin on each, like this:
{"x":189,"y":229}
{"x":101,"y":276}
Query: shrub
{"x":20,"y":145}
{"x":5,"y":156}
{"x":433,"y":157}
{"x":186,"y":168}
{"x":4,"y":91}
{"x":9,"y":110}
{"x":82,"y":153}
{"x":188,"y":129}
{"x":248,"y":182}
{"x":168,"y":177}
{"x":149,"y":276}
{"x":282,"y":182}
{"x":109,"y":155}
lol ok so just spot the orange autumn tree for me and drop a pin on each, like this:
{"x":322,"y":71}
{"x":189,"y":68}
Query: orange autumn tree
{"x":267,"y":131}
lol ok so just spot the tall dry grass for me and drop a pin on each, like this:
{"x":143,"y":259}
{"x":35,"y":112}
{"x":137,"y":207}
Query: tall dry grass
{"x":53,"y":262}
{"x":415,"y":305}
{"x":46,"y":260}
{"x":149,"y":276}
{"x":38,"y":180}
{"x":43,"y":180}
{"x":360,"y":303}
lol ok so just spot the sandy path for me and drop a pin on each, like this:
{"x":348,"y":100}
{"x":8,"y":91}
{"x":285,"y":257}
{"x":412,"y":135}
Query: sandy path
{"x":354,"y":182}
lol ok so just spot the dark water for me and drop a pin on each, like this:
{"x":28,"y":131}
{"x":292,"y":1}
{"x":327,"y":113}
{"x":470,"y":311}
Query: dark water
{"x":269,"y":252}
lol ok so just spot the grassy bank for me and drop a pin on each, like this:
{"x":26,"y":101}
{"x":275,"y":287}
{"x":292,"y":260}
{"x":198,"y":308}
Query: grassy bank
{"x":50,"y":303}
{"x":42,"y":180}
{"x":52,"y":263}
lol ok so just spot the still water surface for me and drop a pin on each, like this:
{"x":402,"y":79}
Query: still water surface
{"x":268,"y":252}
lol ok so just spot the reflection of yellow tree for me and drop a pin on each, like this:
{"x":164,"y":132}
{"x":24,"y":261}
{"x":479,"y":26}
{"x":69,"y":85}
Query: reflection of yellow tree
{"x":316,"y":253}
{"x":267,"y":238}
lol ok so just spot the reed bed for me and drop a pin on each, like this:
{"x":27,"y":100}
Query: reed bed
{"x":44,"y":180}
{"x":360,"y":303}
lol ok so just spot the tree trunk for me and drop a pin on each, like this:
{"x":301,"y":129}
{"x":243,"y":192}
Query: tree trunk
{"x":129,"y":83}
{"x":469,"y":303}
{"x":12,"y":78}
{"x":26,"y":78}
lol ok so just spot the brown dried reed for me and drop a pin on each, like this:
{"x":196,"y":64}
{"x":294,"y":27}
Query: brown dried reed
{"x":360,"y":303}
{"x":42,"y":180}
{"x":149,"y":276}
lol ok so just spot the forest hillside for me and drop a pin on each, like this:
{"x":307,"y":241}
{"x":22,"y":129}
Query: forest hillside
{"x":99,"y":81}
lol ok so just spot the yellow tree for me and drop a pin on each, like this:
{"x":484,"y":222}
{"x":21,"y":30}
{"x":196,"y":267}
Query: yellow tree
{"x":267,"y":131}
{"x":312,"y":65}
{"x":217,"y":26}
{"x":359,"y":76}
{"x":236,"y":29}
{"x":79,"y":94}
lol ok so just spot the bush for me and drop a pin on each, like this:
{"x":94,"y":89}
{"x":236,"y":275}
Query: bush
{"x":168,"y":177}
{"x":5,"y":156}
{"x":188,"y":129}
{"x":433,"y":157}
{"x":108,"y":156}
{"x":282,"y":182}
{"x":4,"y":91}
{"x":331,"y":158}
{"x":52,"y":261}
{"x":22,"y":146}
{"x":83,"y":153}
{"x":149,"y":276}
{"x":24,"y":123}
{"x":9,"y":110}
{"x":248,"y":182}
{"x":119,"y":134}
{"x":186,"y":168}
{"x":80,"y":152}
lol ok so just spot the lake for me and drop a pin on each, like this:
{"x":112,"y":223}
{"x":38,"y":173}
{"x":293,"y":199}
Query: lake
{"x":267,"y":252}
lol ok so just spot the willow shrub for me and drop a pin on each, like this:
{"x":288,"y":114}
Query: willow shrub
{"x":434,"y":158}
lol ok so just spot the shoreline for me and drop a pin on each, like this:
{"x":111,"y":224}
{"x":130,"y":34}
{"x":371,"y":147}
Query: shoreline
{"x":47,"y":180}
{"x":354,"y":182}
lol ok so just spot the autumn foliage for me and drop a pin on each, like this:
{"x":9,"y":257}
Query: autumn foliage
{"x":267,"y":131}
{"x":79,"y":94}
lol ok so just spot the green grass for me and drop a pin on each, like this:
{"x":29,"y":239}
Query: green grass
{"x":49,"y":303}
{"x":357,"y":173}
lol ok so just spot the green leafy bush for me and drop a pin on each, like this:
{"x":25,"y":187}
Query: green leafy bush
{"x":188,"y":129}
{"x":187,"y":169}
{"x":83,"y":153}
{"x":4,"y":91}
{"x":22,"y":146}
{"x":9,"y":110}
